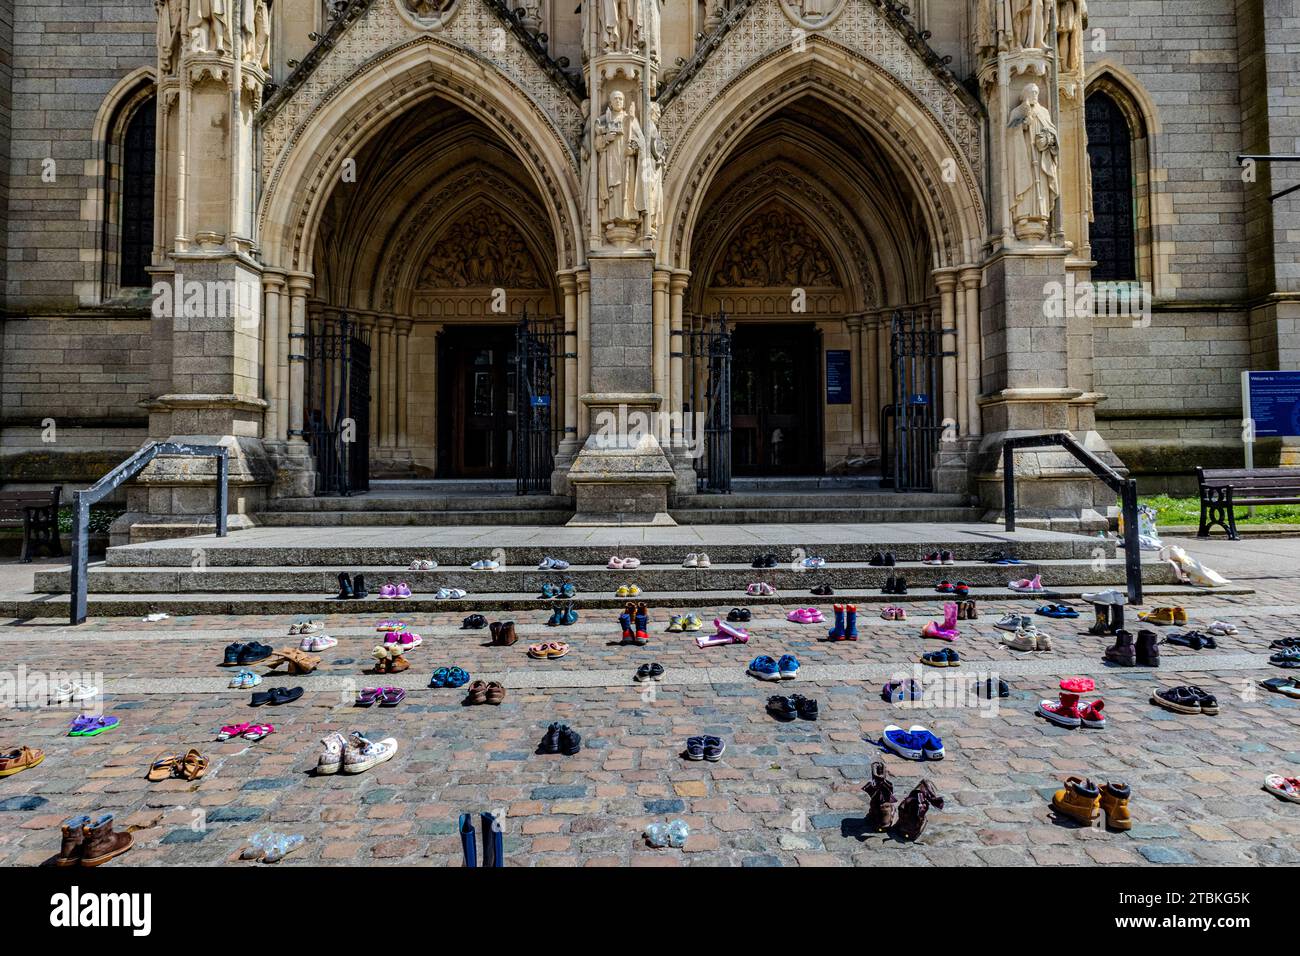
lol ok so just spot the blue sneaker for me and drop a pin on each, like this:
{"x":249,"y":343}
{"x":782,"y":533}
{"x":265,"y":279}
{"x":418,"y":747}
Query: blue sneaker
{"x":456,"y":677}
{"x":440,"y":676}
{"x":916,"y":743}
{"x":764,"y":668}
{"x":788,"y":667}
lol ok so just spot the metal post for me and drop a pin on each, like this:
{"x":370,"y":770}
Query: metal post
{"x":80,"y":556}
{"x":1009,"y":485}
{"x":222,"y":493}
{"x":1132,"y":546}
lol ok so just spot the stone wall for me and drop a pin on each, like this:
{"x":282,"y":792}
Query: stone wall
{"x":1173,"y":386}
{"x":85,"y":373}
{"x":67,"y":56}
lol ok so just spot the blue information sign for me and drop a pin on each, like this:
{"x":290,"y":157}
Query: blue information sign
{"x":1271,"y":401}
{"x":839,"y":377}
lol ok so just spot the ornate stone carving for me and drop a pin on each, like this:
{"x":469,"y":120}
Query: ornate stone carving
{"x":209,"y":26}
{"x":1071,"y":18}
{"x":1033,"y":153}
{"x":255,"y":33}
{"x":654,"y":161}
{"x":812,"y":14}
{"x":775,"y":249}
{"x":170,"y":17}
{"x":480,"y":249}
{"x":429,"y":9}
{"x":620,"y":189}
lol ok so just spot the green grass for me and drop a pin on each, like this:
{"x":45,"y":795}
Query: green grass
{"x":1187,"y":511}
{"x":100,"y":518}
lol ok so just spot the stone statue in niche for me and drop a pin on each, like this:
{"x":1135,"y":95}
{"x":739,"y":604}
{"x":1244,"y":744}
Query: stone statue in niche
{"x":1030,"y":24}
{"x":608,"y":25}
{"x":482,"y":249}
{"x":1033,"y":152}
{"x":620,"y":194}
{"x":170,"y":16}
{"x":1071,"y":18}
{"x":654,"y":161}
{"x":209,"y":26}
{"x":255,"y":32}
{"x":773,"y":249}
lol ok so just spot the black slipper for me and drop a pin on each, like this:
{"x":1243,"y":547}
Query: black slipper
{"x":260,"y":697}
{"x":284,"y":695}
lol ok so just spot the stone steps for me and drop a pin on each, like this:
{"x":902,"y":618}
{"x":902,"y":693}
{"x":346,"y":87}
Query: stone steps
{"x":138,"y":605}
{"x":596,"y":580}
{"x":691,"y":516}
{"x":426,"y":519}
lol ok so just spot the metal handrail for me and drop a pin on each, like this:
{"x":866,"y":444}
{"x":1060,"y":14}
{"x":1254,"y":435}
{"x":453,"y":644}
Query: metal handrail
{"x":1126,"y":488}
{"x":82,"y":500}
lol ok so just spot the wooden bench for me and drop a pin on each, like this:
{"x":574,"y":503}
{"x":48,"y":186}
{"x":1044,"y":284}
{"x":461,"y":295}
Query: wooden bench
{"x":1223,"y":489}
{"x":39,"y":511}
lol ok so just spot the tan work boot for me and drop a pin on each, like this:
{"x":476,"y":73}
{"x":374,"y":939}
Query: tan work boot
{"x":1079,"y":801}
{"x":1114,"y":803}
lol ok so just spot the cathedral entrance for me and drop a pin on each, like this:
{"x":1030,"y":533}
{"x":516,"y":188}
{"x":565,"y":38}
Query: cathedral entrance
{"x":775,"y":407}
{"x":476,"y":402}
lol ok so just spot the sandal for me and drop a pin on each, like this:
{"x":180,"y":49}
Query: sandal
{"x":259,"y":731}
{"x":1287,"y":686}
{"x":1288,"y":788}
{"x":162,"y":768}
{"x":236,"y":730}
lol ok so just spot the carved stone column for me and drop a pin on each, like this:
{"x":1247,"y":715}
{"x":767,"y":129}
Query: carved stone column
{"x":970,"y":376}
{"x":273,"y":286}
{"x":387,"y":386}
{"x":857,"y":375}
{"x":402,"y":386}
{"x":569,"y":444}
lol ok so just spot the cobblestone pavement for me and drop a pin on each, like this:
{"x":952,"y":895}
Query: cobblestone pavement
{"x":783,"y":794}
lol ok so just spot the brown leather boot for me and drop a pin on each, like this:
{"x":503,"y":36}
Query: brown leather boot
{"x":101,"y":844}
{"x":1148,"y":649}
{"x":880,"y":816}
{"x":1122,"y":651}
{"x":1114,"y":803}
{"x":913,"y":811}
{"x":73,"y":841}
{"x":496,"y":693}
{"x":508,"y":635}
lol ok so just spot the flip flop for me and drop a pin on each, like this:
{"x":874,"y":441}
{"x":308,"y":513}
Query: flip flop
{"x":235,"y":730}
{"x":392,"y":696}
{"x":368,"y":696}
{"x":258,"y":731}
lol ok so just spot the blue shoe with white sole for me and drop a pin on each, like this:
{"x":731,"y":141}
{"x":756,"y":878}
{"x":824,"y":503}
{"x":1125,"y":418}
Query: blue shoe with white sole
{"x":788,"y":667}
{"x":764,"y":668}
{"x":917,"y":743}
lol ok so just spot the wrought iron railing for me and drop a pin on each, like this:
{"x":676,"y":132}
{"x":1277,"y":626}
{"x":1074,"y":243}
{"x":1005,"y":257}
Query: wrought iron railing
{"x":82,"y":500}
{"x":1126,"y":488}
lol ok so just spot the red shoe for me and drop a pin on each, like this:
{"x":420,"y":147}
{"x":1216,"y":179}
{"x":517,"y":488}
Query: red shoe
{"x":1090,"y":714}
{"x":1063,"y":713}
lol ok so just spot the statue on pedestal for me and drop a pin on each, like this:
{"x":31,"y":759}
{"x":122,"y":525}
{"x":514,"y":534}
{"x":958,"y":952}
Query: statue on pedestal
{"x":209,"y":26}
{"x":1071,"y":17}
{"x":255,"y":31}
{"x":619,"y":191}
{"x":1030,"y":24}
{"x":169,"y":34}
{"x":1033,"y":151}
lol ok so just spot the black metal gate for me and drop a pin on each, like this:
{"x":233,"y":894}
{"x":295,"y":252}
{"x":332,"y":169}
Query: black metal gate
{"x":537,"y":424}
{"x":337,"y":416}
{"x":913,"y":419}
{"x":706,"y":424}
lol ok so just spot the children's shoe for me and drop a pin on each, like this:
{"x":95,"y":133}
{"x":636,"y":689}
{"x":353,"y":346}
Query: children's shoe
{"x":782,"y":708}
{"x":883,"y":806}
{"x":913,"y":812}
{"x":898,"y":691}
{"x":1288,"y":788}
{"x":805,"y":707}
{"x":1123,"y":652}
{"x":915,"y":743}
{"x":837,"y":632}
{"x":1114,"y":804}
{"x":1148,"y":648}
{"x":946,"y":657}
{"x":788,"y":667}
{"x":649,"y":672}
{"x":692,"y":623}
{"x":1222,"y":629}
{"x":1011,"y":622}
{"x":738,"y":635}
{"x":714,"y":748}
{"x":331,"y":755}
{"x":764,"y":668}
{"x":934,"y":629}
{"x":1090,"y":714}
{"x":485,"y":564}
{"x":1032,"y":585}
{"x":1022,"y":640}
{"x":674,"y":625}
{"x":317,"y":643}
{"x":365,"y":754}
{"x":1063,"y":712}
{"x":705,"y":561}
{"x":694,"y":748}
{"x":1079,"y":800}
{"x":850,"y":622}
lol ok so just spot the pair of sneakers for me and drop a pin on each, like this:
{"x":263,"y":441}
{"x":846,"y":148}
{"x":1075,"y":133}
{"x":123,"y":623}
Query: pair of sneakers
{"x":760,"y":589}
{"x":485,"y":564}
{"x":768,"y":668}
{"x":1071,"y":710}
{"x":705,"y":747}
{"x":449,"y":594}
{"x":560,"y":739}
{"x":353,"y":754}
{"x":915,"y":743}
{"x":694,"y":560}
{"x":315,"y":643}
{"x":684,"y":622}
{"x":790,"y":708}
{"x":549,"y":563}
{"x":1028,"y":638}
{"x":939,"y":557}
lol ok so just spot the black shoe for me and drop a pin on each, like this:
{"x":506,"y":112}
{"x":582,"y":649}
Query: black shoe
{"x":760,"y":561}
{"x":823,"y":590}
{"x":782,"y":708}
{"x":345,"y":586}
{"x":570,"y":741}
{"x":900,"y":586}
{"x":987,"y":689}
{"x":889,"y":559}
{"x":805,"y":707}
{"x":284,"y":695}
{"x":359,"y":587}
{"x":891,"y":582}
{"x":877,"y":560}
{"x":550,"y":740}
{"x":252,"y":653}
{"x":649,"y":672}
{"x":232,"y":653}
{"x":1148,"y":649}
{"x":739,"y":615}
{"x":475,"y":622}
{"x":259,"y":698}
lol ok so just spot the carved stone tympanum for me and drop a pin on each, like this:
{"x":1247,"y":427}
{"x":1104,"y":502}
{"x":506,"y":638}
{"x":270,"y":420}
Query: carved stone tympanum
{"x":774,"y":249}
{"x":482,"y":249}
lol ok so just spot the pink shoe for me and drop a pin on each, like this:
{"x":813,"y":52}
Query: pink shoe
{"x":806,"y":615}
{"x":317,"y":642}
{"x":615,"y":563}
{"x":737,"y":635}
{"x":406,"y":640}
{"x":1063,"y":712}
{"x":714,"y":640}
{"x":1078,"y":685}
{"x":1028,"y":585}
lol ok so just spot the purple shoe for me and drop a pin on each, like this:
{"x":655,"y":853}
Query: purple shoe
{"x":370,"y":695}
{"x":389,"y":590}
{"x":403,"y":590}
{"x":80,"y":724}
{"x":392,"y":696}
